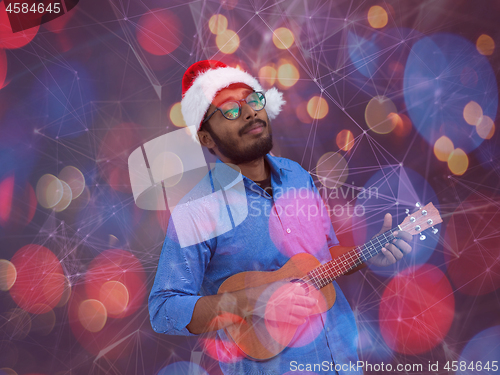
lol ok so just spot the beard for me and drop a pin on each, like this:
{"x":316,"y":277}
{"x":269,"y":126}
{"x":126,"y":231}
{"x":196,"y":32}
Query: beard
{"x":258,"y":149}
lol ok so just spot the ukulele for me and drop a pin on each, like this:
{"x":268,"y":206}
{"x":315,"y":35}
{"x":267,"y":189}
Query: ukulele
{"x":261,"y":339}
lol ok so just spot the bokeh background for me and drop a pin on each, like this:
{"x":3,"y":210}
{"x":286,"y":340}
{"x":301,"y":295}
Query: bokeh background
{"x":397,"y":95}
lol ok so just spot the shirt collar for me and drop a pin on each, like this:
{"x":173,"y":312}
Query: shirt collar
{"x":276,"y":164}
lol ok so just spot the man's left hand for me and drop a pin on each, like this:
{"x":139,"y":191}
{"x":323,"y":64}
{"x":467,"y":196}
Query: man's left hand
{"x":394,"y":251}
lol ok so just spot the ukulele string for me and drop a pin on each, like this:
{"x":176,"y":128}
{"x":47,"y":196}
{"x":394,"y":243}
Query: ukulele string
{"x":317,"y":276}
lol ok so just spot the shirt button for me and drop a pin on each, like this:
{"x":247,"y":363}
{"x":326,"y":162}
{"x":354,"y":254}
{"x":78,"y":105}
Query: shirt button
{"x":288,"y":230}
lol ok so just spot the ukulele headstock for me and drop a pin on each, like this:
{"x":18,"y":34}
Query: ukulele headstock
{"x":424,"y":218}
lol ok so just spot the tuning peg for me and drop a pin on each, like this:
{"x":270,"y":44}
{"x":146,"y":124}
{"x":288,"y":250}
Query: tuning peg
{"x":424,"y":212}
{"x":418,"y":205}
{"x":422,"y":237}
{"x":434,"y":230}
{"x":407,"y":211}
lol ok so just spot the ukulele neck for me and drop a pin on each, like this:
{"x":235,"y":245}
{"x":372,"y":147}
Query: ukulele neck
{"x":326,"y":273}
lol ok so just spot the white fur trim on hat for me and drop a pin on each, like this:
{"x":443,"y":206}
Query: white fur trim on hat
{"x":274,"y":102}
{"x":200,"y":95}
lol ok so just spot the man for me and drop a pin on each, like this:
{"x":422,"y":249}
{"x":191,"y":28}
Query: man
{"x":234,"y":115}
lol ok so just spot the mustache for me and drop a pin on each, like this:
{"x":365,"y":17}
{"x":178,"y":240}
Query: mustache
{"x":250,"y":124}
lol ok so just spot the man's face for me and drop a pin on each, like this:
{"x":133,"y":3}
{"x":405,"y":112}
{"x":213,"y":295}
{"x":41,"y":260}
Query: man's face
{"x":245,"y":139}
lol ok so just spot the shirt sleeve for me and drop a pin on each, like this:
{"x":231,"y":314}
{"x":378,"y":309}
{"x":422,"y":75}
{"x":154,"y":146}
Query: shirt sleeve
{"x":177,"y":284}
{"x":331,"y":238}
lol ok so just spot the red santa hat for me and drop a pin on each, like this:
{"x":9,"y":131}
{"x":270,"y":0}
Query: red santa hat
{"x":204,"y":79}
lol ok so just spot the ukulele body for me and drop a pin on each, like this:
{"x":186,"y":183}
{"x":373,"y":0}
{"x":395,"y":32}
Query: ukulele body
{"x":260,"y":339}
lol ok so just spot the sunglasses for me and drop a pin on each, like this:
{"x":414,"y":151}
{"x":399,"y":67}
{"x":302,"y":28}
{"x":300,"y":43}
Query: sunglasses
{"x":232,"y":109}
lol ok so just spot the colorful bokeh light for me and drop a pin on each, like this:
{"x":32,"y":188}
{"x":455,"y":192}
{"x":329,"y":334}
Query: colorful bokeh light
{"x":485,"y":45}
{"x":416,"y":310}
{"x":267,"y":76}
{"x":114,"y":296}
{"x":486,"y":127}
{"x":66,"y":198}
{"x":74,"y":178}
{"x":458,"y":162}
{"x":378,"y":115}
{"x":6,"y":196}
{"x":66,"y":294}
{"x":227,"y":42}
{"x":217,"y":24}
{"x":345,"y":140}
{"x":332,"y":169}
{"x":49,"y":191}
{"x":317,"y":107}
{"x":443,"y":148}
{"x":473,"y":113}
{"x":288,"y":75}
{"x":176,"y":116}
{"x":402,"y":123}
{"x":38,"y":287}
{"x":283,"y":38}
{"x":92,"y":315}
{"x":8,"y":275}
{"x":159,"y":32}
{"x":377,"y":17}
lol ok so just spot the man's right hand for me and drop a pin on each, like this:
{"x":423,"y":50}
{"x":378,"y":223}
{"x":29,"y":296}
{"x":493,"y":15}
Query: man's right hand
{"x":281,"y":302}
{"x":289,"y":303}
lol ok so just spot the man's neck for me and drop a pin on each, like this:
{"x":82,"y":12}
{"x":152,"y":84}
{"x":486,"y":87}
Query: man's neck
{"x":256,"y":170}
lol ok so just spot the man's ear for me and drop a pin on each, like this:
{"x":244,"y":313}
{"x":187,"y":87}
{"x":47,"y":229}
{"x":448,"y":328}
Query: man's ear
{"x":206,"y":139}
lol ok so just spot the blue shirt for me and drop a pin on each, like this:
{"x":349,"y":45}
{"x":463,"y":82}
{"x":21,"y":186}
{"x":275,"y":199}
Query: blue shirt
{"x":272,"y":230}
